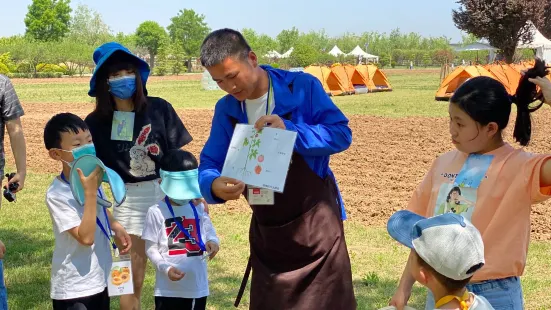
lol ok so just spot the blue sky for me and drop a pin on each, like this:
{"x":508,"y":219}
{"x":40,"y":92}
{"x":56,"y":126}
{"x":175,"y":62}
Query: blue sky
{"x":431,"y":18}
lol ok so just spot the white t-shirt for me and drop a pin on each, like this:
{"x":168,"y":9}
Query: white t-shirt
{"x":480,"y":303}
{"x":77,"y":270}
{"x":177,"y":251}
{"x":256,"y":108}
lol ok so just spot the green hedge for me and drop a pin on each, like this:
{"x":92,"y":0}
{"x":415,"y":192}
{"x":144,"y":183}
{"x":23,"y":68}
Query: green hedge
{"x":4,"y":69}
{"x":40,"y":75}
{"x":51,"y":68}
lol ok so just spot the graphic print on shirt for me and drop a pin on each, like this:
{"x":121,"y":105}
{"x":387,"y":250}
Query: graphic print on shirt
{"x":456,"y":199}
{"x":460,"y":196}
{"x":141,"y":164}
{"x":178,"y":242}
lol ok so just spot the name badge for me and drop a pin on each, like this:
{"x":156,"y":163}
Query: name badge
{"x":261,"y":196}
{"x":122,"y":128}
{"x":473,"y":171}
{"x":120,"y":277}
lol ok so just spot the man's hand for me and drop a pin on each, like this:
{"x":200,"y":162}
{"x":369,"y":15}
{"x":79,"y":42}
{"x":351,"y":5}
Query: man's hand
{"x":273,"y":121}
{"x":122,"y":239}
{"x":212,"y":249}
{"x":17,"y":178}
{"x":174,"y":274}
{"x":2,"y":250}
{"x":227,"y":188}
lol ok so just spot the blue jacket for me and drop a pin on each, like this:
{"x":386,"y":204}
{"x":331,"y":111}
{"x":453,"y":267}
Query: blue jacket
{"x":322,"y":129}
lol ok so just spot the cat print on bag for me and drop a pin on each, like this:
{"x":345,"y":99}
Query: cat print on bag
{"x":141,"y":164}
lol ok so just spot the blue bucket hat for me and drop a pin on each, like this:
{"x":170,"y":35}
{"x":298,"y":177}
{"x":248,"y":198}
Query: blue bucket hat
{"x":87,"y":163}
{"x":102,"y":53}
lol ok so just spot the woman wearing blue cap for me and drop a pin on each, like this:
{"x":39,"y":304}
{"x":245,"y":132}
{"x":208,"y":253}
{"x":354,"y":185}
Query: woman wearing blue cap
{"x":131,"y":131}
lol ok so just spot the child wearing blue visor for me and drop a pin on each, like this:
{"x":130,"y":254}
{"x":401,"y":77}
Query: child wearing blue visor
{"x":179,"y":235}
{"x":82,"y":252}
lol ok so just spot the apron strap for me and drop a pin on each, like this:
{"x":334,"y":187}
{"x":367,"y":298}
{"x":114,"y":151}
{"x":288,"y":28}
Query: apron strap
{"x":243,"y":283}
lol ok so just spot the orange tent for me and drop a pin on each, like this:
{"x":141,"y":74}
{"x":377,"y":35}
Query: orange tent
{"x":520,"y":67}
{"x":507,"y":75}
{"x":376,"y":79}
{"x":332,"y":84}
{"x":358,"y":81}
{"x":342,"y":74}
{"x":458,"y":77}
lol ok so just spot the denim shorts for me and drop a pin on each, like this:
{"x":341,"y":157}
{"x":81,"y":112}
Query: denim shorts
{"x":3,"y":291}
{"x":503,"y":294}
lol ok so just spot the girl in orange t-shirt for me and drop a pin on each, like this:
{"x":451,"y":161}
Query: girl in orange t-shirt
{"x":500,"y":182}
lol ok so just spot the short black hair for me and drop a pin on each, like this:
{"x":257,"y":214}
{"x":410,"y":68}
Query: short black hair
{"x":62,"y":122}
{"x":178,"y":160}
{"x":221,"y":44}
{"x":450,"y":284}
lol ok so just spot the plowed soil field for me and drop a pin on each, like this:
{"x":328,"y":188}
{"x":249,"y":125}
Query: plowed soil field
{"x":377,"y":175}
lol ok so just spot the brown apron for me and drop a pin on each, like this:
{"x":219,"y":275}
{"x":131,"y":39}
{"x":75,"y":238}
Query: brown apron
{"x":298,"y":254}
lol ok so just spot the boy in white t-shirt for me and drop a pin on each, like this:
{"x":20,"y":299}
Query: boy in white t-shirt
{"x":82,"y":254}
{"x":179,"y":235}
{"x":446,"y":251}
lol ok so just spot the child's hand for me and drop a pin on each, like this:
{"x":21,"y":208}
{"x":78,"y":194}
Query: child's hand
{"x":2,"y":250}
{"x":92,"y":182}
{"x":212,"y":249}
{"x":175,"y":275}
{"x":199,"y":201}
{"x":122,"y":239}
{"x":545,"y":84}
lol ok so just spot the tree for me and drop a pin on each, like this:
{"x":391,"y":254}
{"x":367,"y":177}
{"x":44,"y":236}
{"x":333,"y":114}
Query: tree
{"x":48,"y":20}
{"x":303,"y":55}
{"x":87,"y":27}
{"x":6,"y":64}
{"x":151,"y":35}
{"x":546,"y":29}
{"x":75,"y":57}
{"x":287,"y":39}
{"x":503,"y":23}
{"x":30,"y":55}
{"x":261,"y":44}
{"x":163,"y":62}
{"x":189,"y":30}
{"x":469,"y":38}
{"x":442,"y":56}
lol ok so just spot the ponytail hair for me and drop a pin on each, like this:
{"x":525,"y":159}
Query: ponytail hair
{"x":526,"y":95}
{"x":486,"y":100}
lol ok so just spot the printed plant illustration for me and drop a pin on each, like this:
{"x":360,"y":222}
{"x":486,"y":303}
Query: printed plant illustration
{"x":253,"y":143}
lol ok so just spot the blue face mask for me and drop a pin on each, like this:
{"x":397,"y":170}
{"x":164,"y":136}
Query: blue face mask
{"x":87,"y":149}
{"x":180,"y":202}
{"x":123,"y":87}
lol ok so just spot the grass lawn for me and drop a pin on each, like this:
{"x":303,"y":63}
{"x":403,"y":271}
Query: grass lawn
{"x":413,"y":95}
{"x":377,"y":261}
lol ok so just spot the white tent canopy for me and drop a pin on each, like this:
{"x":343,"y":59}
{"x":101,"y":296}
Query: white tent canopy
{"x":335,"y":51}
{"x":273,"y":54}
{"x":358,"y":52}
{"x":541,"y":44}
{"x":287,"y":53}
{"x":479,"y":46}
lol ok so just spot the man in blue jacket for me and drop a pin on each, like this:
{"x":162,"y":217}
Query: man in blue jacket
{"x":298,"y":250}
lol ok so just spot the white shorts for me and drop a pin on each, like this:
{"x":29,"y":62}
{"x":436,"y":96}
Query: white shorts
{"x":139,"y":198}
